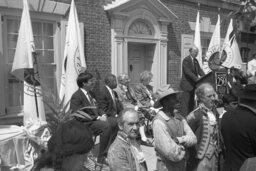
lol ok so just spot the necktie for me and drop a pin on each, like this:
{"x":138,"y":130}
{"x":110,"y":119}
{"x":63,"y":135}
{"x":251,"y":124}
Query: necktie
{"x":195,"y":65}
{"x":90,"y":99}
{"x":113,"y":96}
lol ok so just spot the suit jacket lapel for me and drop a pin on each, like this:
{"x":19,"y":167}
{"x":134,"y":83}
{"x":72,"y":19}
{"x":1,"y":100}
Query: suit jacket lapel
{"x":192,"y":64}
{"x":110,"y":98}
{"x":85,"y":99}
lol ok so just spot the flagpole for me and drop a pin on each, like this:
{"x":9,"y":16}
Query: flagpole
{"x":35,"y":71}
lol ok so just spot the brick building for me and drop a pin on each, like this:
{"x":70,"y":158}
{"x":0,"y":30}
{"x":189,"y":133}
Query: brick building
{"x":119,"y":36}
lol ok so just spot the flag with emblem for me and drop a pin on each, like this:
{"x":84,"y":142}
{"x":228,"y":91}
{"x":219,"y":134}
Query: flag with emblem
{"x":231,"y":50}
{"x":24,"y":69}
{"x":197,"y":40}
{"x":74,"y":60}
{"x":213,"y":48}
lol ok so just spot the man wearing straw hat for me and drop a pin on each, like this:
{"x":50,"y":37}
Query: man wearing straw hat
{"x":238,"y":127}
{"x":171,"y":132}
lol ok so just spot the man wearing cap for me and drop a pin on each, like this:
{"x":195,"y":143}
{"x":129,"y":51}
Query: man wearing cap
{"x":238,"y":129}
{"x":204,"y":123}
{"x":171,"y":132}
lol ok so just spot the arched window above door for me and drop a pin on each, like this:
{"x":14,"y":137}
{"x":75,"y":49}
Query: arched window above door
{"x":140,"y":27}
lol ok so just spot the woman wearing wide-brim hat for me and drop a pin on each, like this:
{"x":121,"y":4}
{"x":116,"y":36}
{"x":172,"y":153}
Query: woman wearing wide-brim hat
{"x":171,"y":131}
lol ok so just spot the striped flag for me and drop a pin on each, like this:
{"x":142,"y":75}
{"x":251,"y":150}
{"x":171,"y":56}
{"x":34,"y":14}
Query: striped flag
{"x":231,"y":49}
{"x":74,"y":60}
{"x":197,"y":40}
{"x":23,"y":69}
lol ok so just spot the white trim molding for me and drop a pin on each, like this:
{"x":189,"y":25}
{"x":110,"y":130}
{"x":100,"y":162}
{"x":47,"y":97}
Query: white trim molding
{"x":157,"y":17}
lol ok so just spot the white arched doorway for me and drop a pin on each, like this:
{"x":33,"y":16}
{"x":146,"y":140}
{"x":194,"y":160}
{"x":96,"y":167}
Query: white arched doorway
{"x":139,"y":39}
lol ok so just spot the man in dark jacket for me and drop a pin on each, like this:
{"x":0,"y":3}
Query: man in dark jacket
{"x":190,"y":75}
{"x":83,"y":99}
{"x":238,"y":129}
{"x":109,"y":103}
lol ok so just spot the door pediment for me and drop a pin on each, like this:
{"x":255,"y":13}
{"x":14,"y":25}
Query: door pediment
{"x":126,"y":7}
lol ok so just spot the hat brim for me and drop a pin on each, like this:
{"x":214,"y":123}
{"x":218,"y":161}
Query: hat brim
{"x":247,"y":95}
{"x":157,"y":104}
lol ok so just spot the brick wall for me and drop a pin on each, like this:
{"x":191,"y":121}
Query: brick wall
{"x":97,"y":36}
{"x":186,"y":12}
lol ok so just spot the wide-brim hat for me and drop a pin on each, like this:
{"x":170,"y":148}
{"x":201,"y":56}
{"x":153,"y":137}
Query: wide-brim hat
{"x":249,"y":92}
{"x":162,"y":92}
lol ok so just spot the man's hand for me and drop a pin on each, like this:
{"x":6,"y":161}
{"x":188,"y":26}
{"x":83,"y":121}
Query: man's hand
{"x":103,"y":118}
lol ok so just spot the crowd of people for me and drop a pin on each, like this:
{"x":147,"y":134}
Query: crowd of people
{"x":185,"y":136}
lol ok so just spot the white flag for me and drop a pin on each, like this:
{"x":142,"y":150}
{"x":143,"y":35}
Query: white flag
{"x":73,"y":61}
{"x":214,"y":46}
{"x":231,"y":49}
{"x":23,"y":69}
{"x":197,"y":40}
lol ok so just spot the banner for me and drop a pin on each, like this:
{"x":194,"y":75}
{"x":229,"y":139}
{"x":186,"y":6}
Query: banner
{"x":23,"y":69}
{"x":74,"y":60}
{"x":212,"y":60}
{"x":197,"y":40}
{"x":231,"y":53}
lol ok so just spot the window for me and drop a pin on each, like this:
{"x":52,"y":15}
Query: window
{"x":44,"y":43}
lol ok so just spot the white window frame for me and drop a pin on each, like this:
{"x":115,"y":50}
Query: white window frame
{"x":56,"y":20}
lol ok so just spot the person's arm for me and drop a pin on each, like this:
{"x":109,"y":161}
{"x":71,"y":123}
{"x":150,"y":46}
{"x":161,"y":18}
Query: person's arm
{"x":187,"y":71}
{"x":192,"y":121}
{"x":140,"y":97}
{"x":103,"y":104}
{"x":75,"y":103}
{"x":164,"y":144}
{"x":189,"y":138}
{"x":201,"y":72}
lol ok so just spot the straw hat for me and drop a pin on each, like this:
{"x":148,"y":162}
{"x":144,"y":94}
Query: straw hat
{"x":162,"y":92}
{"x":249,"y":92}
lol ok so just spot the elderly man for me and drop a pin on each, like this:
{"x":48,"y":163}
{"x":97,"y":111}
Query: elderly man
{"x":238,"y":130}
{"x":190,"y":75}
{"x":171,"y":131}
{"x":204,"y":122}
{"x":125,"y":153}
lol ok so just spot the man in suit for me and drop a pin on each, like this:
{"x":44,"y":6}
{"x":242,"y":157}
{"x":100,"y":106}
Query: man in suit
{"x":109,"y":104}
{"x":98,"y":123}
{"x":190,"y":75}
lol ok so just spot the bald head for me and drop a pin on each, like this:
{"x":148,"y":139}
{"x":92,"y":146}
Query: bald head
{"x":193,"y":51}
{"x":206,"y":95}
